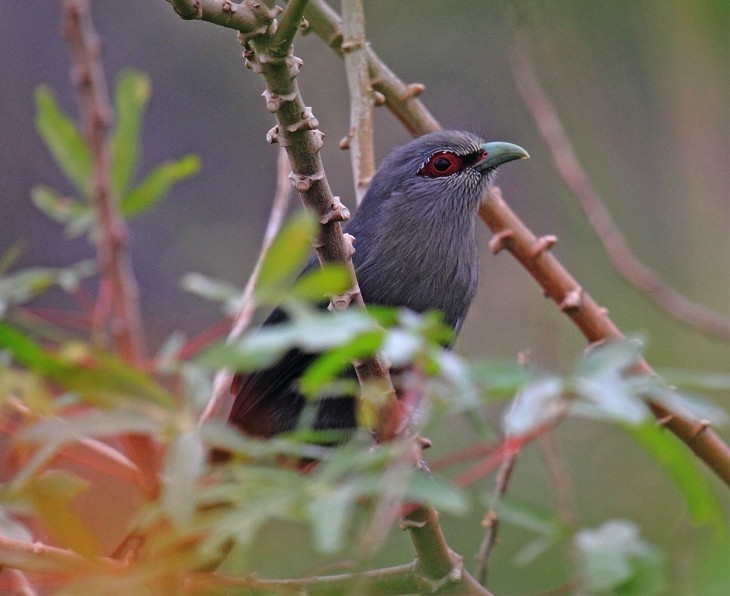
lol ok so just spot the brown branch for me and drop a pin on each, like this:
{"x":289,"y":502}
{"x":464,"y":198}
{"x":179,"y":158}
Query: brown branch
{"x":36,"y":557}
{"x":439,"y":568}
{"x":401,"y":98}
{"x":118,"y":283}
{"x":592,"y":320}
{"x":491,"y":519}
{"x":511,"y":233}
{"x":118,"y":287}
{"x":221,"y":400}
{"x":614,"y":242}
{"x":360,"y":136}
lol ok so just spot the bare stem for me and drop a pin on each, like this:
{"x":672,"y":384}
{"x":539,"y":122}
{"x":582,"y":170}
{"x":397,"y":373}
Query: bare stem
{"x":118,"y":288}
{"x":297,"y":130}
{"x":592,"y":320}
{"x":614,"y":242}
{"x":36,"y":557}
{"x":220,"y":403}
{"x":360,"y":136}
{"x":491,"y":519}
{"x":117,"y":278}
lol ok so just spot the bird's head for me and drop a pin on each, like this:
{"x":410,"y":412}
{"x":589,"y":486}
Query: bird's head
{"x":444,"y":167}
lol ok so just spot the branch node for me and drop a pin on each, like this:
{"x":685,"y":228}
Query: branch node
{"x":294,"y":64}
{"x":352,"y":45}
{"x":273,"y":136}
{"x":307,"y":121}
{"x":342,"y":301}
{"x":700,"y":427}
{"x":274,"y":100}
{"x":542,"y":244}
{"x":429,"y":585}
{"x":665,"y":420}
{"x":406,"y":523}
{"x":303,"y":182}
{"x":337,"y":212}
{"x":500,"y":240}
{"x":413,"y":90}
{"x":573,"y":301}
{"x":378,"y":99}
{"x":349,"y":243}
{"x":345,"y":143}
{"x":318,"y":141}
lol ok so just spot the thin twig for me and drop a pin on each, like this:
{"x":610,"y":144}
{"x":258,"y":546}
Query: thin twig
{"x":221,"y":400}
{"x":360,"y":136}
{"x":297,"y":130}
{"x":36,"y":557}
{"x":118,"y":282}
{"x":118,"y":287}
{"x":614,"y":242}
{"x":491,"y":519}
{"x":512,"y":234}
{"x":401,"y":98}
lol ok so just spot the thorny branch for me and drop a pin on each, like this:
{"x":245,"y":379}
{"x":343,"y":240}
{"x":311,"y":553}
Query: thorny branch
{"x":533,"y":253}
{"x":118,"y":291}
{"x":491,"y":519}
{"x":118,"y":287}
{"x":614,"y":242}
{"x":360,"y":137}
{"x":297,"y":130}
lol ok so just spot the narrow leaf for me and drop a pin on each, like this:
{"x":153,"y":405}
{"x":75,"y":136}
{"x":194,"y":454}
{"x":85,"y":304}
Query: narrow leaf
{"x":131,"y":97}
{"x":77,"y":216}
{"x":287,"y":254}
{"x":51,"y":495}
{"x":615,"y":559}
{"x":64,"y":141}
{"x":319,"y":282}
{"x":183,"y":466}
{"x":157,"y":184}
{"x":95,"y":375}
{"x":680,"y":464}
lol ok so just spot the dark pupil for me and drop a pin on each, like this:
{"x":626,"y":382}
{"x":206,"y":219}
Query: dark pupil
{"x":441,"y":164}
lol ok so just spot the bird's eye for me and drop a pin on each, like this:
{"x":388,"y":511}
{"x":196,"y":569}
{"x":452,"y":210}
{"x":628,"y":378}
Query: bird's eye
{"x":440,"y":164}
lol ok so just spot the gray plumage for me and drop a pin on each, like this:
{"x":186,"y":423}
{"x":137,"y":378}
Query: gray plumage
{"x":415,"y":247}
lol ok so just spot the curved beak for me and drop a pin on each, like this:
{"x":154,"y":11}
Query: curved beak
{"x":497,"y":153}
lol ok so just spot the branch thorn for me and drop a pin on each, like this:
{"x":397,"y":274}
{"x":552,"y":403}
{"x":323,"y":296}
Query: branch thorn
{"x":572,"y":301}
{"x":542,"y":244}
{"x":499,"y":240}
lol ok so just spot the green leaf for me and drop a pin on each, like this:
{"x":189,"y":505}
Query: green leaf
{"x":11,"y":255}
{"x":328,"y":366}
{"x":64,"y":141}
{"x":696,"y":379}
{"x":330,"y":515}
{"x":183,"y":465}
{"x":286,"y":255}
{"x":442,"y":496}
{"x":91,"y":423}
{"x":538,"y":402}
{"x":311,"y":331}
{"x":215,"y":290}
{"x":615,"y":559}
{"x":680,"y":464}
{"x":97,"y":376}
{"x":314,"y":285}
{"x":157,"y":184}
{"x":51,"y":495}
{"x":77,"y":216}
{"x":130,"y":101}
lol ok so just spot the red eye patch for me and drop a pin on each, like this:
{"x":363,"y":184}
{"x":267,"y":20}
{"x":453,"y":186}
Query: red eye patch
{"x":443,"y":163}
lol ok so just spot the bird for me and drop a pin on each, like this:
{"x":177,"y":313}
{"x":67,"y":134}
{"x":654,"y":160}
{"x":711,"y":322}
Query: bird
{"x":415,"y":248}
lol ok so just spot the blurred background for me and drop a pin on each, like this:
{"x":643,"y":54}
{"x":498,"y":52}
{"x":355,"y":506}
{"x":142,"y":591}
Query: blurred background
{"x":643,"y":90}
